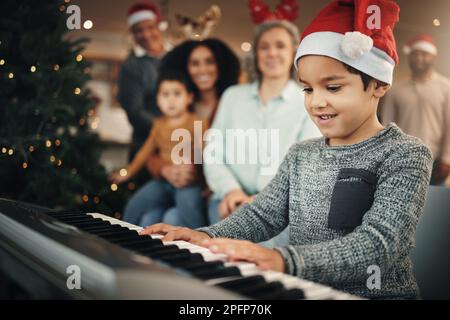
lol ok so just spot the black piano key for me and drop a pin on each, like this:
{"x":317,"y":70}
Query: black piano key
{"x":259,"y":290}
{"x":284,"y":294}
{"x":115,"y":234}
{"x":75,"y":219}
{"x":163,"y":251}
{"x":183,"y":258}
{"x":159,"y":249}
{"x":217,"y":273}
{"x":67,"y":215}
{"x":199,"y":266}
{"x":119,"y":238}
{"x":107,"y":228}
{"x":94,"y":222}
{"x":242,"y":283}
{"x":168,"y":253}
{"x":137,"y":245}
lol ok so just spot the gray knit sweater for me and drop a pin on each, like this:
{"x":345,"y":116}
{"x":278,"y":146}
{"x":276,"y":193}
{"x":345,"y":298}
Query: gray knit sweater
{"x":348,"y":208}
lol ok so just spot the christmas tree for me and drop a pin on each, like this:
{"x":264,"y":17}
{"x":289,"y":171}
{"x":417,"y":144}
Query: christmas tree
{"x":48,"y":155}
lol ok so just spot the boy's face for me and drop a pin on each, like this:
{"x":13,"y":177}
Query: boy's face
{"x":173,"y":98}
{"x":335,"y":98}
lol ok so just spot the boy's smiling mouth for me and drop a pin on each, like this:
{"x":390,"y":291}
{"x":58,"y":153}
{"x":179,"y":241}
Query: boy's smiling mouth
{"x":325,"y":118}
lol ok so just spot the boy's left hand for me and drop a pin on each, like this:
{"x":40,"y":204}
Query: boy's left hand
{"x":240,"y":250}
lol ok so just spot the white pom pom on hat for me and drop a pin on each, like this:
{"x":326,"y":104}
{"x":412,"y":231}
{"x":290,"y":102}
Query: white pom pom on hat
{"x":355,"y":44}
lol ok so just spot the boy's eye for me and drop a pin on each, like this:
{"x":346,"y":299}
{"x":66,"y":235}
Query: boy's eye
{"x":307,"y":90}
{"x":334,"y":88}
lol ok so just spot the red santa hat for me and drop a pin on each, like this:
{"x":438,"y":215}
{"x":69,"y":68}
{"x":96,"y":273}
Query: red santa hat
{"x":423,"y":42}
{"x":358,"y":33}
{"x":143,"y":11}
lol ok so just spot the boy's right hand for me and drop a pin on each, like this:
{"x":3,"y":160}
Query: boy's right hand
{"x":172,"y":233}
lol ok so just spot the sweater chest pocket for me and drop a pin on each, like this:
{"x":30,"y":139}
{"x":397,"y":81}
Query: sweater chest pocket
{"x":352,"y":197}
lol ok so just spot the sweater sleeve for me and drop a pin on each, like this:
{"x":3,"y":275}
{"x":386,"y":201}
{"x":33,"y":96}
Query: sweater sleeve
{"x":387,"y":230}
{"x":263,"y":218}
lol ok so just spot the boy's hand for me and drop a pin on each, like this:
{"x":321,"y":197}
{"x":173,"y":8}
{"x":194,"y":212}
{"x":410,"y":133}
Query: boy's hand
{"x":172,"y":233}
{"x":231,"y":202}
{"x":117,"y":178}
{"x":239,"y":250}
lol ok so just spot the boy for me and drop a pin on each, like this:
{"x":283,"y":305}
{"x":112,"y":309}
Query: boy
{"x":150,"y":204}
{"x":353,"y":198}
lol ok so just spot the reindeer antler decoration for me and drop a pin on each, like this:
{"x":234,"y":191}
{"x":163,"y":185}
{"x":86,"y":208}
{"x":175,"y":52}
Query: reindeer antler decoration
{"x":260,"y":12}
{"x":202,"y":26}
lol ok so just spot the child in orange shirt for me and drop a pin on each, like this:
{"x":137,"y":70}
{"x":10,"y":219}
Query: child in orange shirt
{"x":159,"y":200}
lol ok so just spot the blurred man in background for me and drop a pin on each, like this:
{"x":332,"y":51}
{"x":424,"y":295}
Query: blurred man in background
{"x":421,"y":106}
{"x":138,"y":74}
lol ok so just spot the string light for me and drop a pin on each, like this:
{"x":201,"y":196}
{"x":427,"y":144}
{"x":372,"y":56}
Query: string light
{"x":79,"y":58}
{"x":114,"y":187}
{"x":31,"y":148}
{"x":2,"y":62}
{"x":436,"y":22}
{"x":11,"y":152}
{"x":77,"y":91}
{"x":48,"y":143}
{"x":33,"y":69}
{"x":4,"y":150}
{"x":246,"y":46}
{"x":88,"y":24}
{"x":95,"y":123}
{"x":82,"y":121}
{"x":85,"y":198}
{"x":73,"y":171}
{"x":117,"y":215}
{"x":59,"y":163}
{"x":56,"y":67}
{"x":91,"y":112}
{"x":57,"y":142}
{"x":96,"y":200}
{"x":24,"y":165}
{"x":62,"y":8}
{"x":11,"y":75}
{"x":123,"y":172}
{"x":52,"y":158}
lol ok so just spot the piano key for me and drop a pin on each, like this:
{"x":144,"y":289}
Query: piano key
{"x":80,"y":225}
{"x":66,"y":214}
{"x":182,"y":258}
{"x":221,"y":273}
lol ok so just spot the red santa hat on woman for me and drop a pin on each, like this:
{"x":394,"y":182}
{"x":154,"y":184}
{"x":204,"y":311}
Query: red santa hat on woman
{"x":144,"y":11}
{"x":423,"y":42}
{"x":358,"y":33}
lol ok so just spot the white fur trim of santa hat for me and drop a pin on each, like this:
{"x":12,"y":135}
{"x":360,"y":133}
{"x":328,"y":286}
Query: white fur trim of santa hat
{"x":354,"y":49}
{"x":141,"y":16}
{"x":422,"y":46}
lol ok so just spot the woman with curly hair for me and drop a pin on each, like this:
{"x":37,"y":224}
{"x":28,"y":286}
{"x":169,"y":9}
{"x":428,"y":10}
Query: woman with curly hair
{"x":211,"y":67}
